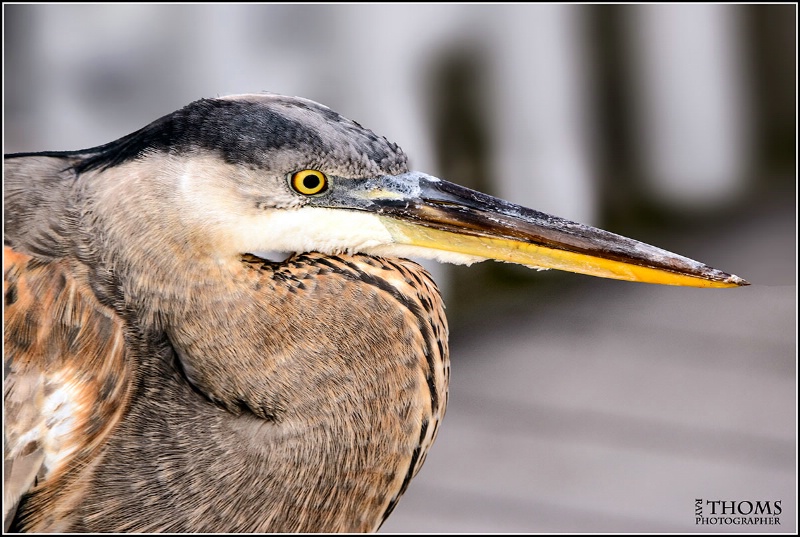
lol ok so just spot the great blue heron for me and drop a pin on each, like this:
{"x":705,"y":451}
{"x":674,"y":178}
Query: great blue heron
{"x":160,"y":377}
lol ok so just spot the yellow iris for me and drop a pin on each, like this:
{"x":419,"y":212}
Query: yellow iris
{"x":309,"y":182}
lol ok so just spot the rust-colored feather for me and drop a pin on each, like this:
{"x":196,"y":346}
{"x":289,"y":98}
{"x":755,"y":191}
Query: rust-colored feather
{"x":67,"y":383}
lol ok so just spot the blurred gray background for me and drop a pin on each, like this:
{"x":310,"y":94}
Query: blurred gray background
{"x":577,"y":404}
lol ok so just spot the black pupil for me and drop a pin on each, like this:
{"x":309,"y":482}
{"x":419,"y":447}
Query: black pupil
{"x":311,"y":182}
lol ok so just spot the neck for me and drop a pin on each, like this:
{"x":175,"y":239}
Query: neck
{"x":333,"y":410}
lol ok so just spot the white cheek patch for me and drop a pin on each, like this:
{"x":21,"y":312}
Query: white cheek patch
{"x":329,"y":231}
{"x":307,"y":229}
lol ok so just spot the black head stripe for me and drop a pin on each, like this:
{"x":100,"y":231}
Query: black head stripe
{"x":245,"y":131}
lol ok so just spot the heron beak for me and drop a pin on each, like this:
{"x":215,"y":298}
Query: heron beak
{"x":444,"y":216}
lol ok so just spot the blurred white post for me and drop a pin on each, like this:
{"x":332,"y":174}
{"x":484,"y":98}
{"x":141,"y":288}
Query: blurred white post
{"x":693,"y":125}
{"x":542,"y":130}
{"x":385,"y":85}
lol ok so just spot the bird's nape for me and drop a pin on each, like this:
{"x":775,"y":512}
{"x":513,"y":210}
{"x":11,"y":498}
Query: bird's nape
{"x":158,"y":374}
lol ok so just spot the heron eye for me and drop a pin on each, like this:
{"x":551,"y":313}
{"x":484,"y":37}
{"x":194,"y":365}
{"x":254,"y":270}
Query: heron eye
{"x":309,"y":182}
